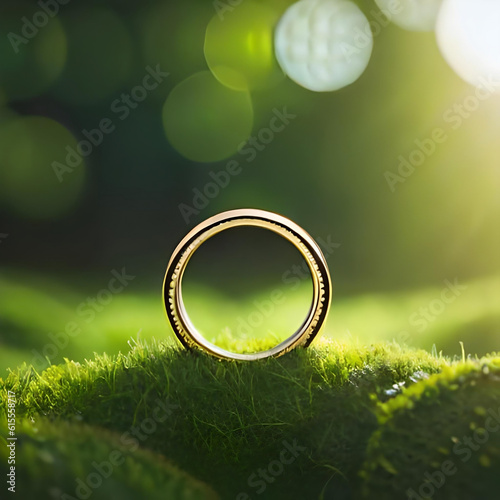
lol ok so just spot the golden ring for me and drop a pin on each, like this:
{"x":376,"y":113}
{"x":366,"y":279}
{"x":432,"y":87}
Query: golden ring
{"x":309,"y":249}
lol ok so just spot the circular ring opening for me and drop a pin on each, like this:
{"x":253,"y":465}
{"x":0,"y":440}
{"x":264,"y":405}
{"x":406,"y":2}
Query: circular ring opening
{"x":246,"y":289}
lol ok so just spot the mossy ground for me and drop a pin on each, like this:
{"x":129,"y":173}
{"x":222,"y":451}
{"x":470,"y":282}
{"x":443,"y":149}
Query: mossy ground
{"x":223,"y":423}
{"x":362,"y":420}
{"x":440,"y":438}
{"x":68,"y":460}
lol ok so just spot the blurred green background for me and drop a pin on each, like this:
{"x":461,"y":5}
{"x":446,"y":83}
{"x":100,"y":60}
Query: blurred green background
{"x":418,"y":262}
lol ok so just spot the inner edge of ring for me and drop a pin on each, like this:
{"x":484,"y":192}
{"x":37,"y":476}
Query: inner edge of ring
{"x":193,"y":337}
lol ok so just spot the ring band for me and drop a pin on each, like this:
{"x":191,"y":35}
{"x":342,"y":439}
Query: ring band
{"x":309,"y":249}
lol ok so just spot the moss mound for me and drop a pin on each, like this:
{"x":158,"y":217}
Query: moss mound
{"x":68,"y":461}
{"x":333,"y":421}
{"x":292,"y":427}
{"x":440,"y":438}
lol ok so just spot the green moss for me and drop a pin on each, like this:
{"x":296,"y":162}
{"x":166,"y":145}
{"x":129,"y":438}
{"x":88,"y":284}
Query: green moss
{"x":432,"y":441}
{"x":228,"y":419}
{"x":70,"y":460}
{"x":347,"y":407}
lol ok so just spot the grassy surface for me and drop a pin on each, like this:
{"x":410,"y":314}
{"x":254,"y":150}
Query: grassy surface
{"x":224,"y":423}
{"x":364,"y":417}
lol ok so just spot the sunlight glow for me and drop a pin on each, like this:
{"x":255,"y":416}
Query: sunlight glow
{"x":468,"y":36}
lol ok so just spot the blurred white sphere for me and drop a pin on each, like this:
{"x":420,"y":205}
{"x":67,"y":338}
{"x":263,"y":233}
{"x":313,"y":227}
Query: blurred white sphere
{"x":468,"y":35}
{"x":413,"y":15}
{"x":323,"y":45}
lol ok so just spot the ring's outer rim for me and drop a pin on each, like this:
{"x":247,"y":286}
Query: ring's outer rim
{"x":270,"y":218}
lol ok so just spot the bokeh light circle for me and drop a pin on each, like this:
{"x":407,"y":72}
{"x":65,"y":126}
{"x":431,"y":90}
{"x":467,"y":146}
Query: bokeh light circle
{"x":413,"y":15}
{"x":239,"y":47}
{"x":33,"y":50}
{"x":206,"y":121}
{"x":29,"y":186}
{"x":468,"y":35}
{"x":323,"y":45}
